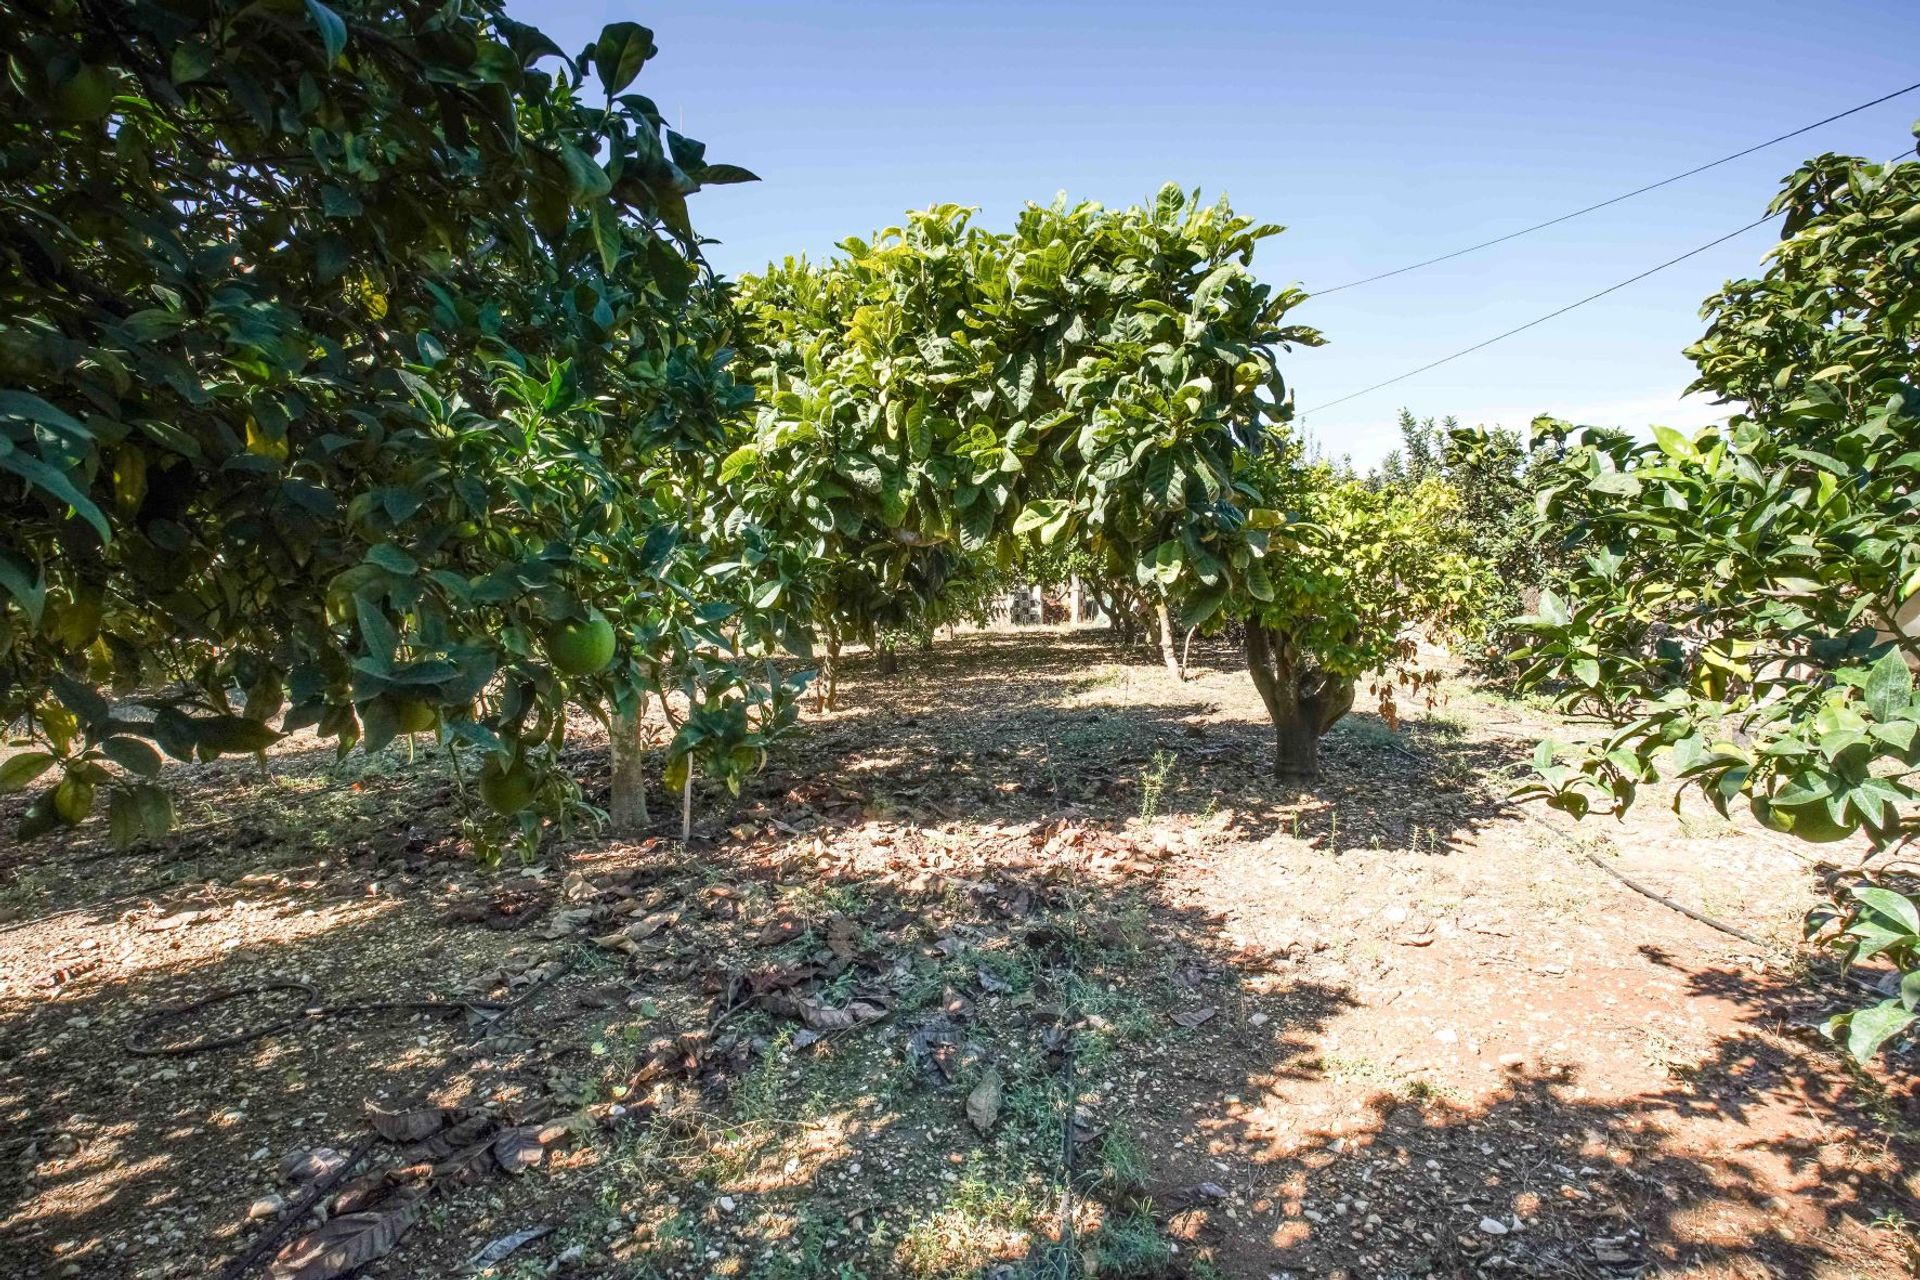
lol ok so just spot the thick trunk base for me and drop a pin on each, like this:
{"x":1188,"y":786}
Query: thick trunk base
{"x":627,"y":805}
{"x":1296,"y":751}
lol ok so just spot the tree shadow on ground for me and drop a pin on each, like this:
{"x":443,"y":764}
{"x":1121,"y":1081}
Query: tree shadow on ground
{"x":1540,"y":1179}
{"x":1080,"y":725}
{"x":769,"y":1069}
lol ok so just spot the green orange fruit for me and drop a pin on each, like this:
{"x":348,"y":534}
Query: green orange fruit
{"x":83,"y":97}
{"x":507,"y":788}
{"x":582,"y":647}
{"x":414,"y":716}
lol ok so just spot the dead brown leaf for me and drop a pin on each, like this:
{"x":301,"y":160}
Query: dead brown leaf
{"x":414,"y":1124}
{"x":349,"y":1241}
{"x":983,"y":1104}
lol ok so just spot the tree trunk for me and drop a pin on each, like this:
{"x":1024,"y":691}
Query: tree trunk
{"x":627,"y":805}
{"x":1168,"y":653}
{"x":1302,"y":700}
{"x":889,"y":661}
{"x":826,"y":694}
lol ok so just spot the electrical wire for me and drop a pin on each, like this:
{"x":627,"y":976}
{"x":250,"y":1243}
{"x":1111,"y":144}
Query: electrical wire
{"x":1637,"y":191}
{"x":1539,"y":320}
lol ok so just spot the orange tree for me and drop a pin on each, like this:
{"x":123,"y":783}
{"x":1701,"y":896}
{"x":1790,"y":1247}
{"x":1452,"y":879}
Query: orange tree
{"x":1741,"y":602}
{"x":346,"y":354}
{"x":1104,"y":379}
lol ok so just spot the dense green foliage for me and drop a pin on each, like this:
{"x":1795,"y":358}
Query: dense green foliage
{"x":1740,"y":601}
{"x":345,"y":352}
{"x":942,"y":392}
{"x":1096,"y":379}
{"x":1494,"y":474}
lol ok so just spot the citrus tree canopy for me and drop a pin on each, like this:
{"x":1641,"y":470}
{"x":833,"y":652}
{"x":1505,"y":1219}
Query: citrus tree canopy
{"x":1742,"y":600}
{"x":346,"y":354}
{"x":1105,"y":379}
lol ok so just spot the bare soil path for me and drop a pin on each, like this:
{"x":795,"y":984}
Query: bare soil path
{"x":1028,"y":896}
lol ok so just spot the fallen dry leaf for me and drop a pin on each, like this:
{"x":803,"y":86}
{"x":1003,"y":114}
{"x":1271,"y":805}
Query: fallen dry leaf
{"x":349,"y":1241}
{"x":415,"y":1124}
{"x":983,"y":1104}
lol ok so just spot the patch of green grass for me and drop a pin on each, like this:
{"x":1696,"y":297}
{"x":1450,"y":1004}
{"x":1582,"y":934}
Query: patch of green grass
{"x":1131,"y":1246}
{"x":1153,"y":783}
{"x":820,"y":899}
{"x":978,"y":1224}
{"x":1448,"y":725}
{"x":1366,"y":732}
{"x":1123,"y":1165}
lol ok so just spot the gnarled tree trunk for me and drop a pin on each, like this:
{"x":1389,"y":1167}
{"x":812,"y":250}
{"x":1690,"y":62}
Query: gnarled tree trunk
{"x":627,"y":805}
{"x":1302,"y":700}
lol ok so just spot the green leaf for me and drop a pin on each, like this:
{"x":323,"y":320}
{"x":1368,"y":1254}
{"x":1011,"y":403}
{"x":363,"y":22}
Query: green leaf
{"x":31,"y":408}
{"x":18,"y":772}
{"x":1675,"y":445}
{"x":1889,"y":685}
{"x":1872,"y":1027}
{"x":24,"y":585}
{"x":232,"y":735}
{"x":333,"y":31}
{"x":132,"y":754}
{"x":1896,"y":907}
{"x":393,"y":560}
{"x":586,"y":180}
{"x":82,"y":699}
{"x":1620,"y":484}
{"x":720,"y":175}
{"x":622,"y":49}
{"x":124,"y":822}
{"x":54,"y":482}
{"x":738,"y":463}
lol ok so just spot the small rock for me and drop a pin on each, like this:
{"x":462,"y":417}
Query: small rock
{"x":60,"y":1146}
{"x":266,"y":1206}
{"x":726,"y":1204}
{"x":1493,"y":1226}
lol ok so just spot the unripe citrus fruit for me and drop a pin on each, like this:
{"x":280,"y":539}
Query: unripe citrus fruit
{"x":582,"y":648}
{"x":414,"y":716}
{"x":83,"y":97}
{"x":507,"y":789}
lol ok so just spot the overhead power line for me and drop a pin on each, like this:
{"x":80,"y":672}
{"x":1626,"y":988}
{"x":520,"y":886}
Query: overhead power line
{"x":1628,"y":195}
{"x":1538,"y":320}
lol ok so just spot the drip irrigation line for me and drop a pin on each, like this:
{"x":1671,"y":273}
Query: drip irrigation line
{"x":1613,"y":200}
{"x":1540,"y":320}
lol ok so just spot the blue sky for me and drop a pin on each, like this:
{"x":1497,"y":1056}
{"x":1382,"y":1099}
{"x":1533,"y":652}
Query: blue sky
{"x":1378,"y":133}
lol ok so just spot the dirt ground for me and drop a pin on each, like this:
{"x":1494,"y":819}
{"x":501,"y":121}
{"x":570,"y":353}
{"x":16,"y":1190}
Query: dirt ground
{"x":1018,"y":964}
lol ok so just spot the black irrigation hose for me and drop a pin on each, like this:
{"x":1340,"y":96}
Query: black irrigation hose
{"x":1682,"y":908}
{"x":1065,"y":1254}
{"x":138,"y":1044}
{"x":1525,"y":815}
{"x":1639,"y":888}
